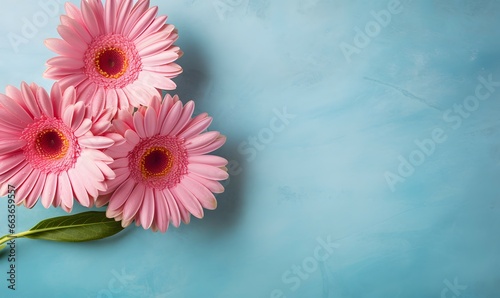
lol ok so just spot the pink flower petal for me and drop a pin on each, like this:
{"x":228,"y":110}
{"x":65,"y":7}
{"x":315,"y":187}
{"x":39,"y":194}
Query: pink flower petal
{"x":212,"y":185}
{"x":131,"y":206}
{"x":84,"y":127}
{"x":132,"y":136}
{"x":202,"y":194}
{"x":61,"y":47}
{"x":209,"y":148}
{"x":187,"y":112}
{"x":105,"y":169}
{"x":11,"y":146}
{"x":98,"y":155}
{"x":17,"y":174}
{"x":208,"y":172}
{"x":148,"y":49}
{"x":63,"y":62}
{"x":65,"y":192}
{"x":14,"y":93}
{"x":111,"y":98}
{"x":212,"y":160}
{"x":188,"y":200}
{"x":150,"y":125}
{"x":91,"y":168}
{"x":106,"y":116}
{"x":78,"y":29}
{"x":185,"y":215}
{"x":95,"y":96}
{"x":30,"y":100}
{"x":90,"y":19}
{"x":195,"y":127}
{"x":160,"y":59}
{"x":120,"y":197}
{"x":134,"y":16}
{"x":157,"y":32}
{"x":89,"y":94}
{"x":147,"y":210}
{"x":73,"y":12}
{"x":156,"y":26}
{"x":171,"y":119}
{"x":123,"y":16}
{"x":171,"y":70}
{"x":123,"y":100}
{"x":78,"y":115}
{"x":102,"y":200}
{"x":68,"y":115}
{"x":78,"y":188}
{"x":167,"y":104}
{"x":145,"y":20}
{"x":9,"y":123}
{"x":8,"y":163}
{"x":91,"y":186}
{"x":160,"y":81}
{"x":23,"y":189}
{"x":35,"y":191}
{"x":15,"y":109}
{"x":49,"y":191}
{"x":45,"y":103}
{"x":111,"y":11}
{"x":162,"y":213}
{"x":202,"y":140}
{"x":68,"y":98}
{"x":175,"y":214}
{"x":139,"y":125}
{"x":71,"y":38}
{"x":98,"y":10}
{"x":121,"y":177}
{"x":75,"y":79}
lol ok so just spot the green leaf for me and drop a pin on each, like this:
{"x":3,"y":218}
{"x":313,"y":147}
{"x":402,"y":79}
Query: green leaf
{"x":86,"y":226}
{"x":3,"y":246}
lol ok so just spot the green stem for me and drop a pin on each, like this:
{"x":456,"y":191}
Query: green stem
{"x":8,"y":237}
{"x":85,"y":226}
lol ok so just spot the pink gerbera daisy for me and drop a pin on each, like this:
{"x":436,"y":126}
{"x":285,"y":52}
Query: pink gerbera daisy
{"x":120,"y":52}
{"x":50,"y":147}
{"x":163,"y":172}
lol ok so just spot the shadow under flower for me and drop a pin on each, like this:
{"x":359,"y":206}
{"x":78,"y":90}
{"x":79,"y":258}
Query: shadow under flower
{"x":230,"y":202}
{"x":195,"y":83}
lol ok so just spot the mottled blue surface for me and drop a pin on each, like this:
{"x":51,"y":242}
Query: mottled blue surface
{"x":323,"y":125}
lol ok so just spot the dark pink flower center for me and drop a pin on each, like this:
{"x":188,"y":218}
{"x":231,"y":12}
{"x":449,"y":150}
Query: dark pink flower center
{"x":156,"y":161}
{"x":111,"y":62}
{"x":159,"y":161}
{"x":52,"y":144}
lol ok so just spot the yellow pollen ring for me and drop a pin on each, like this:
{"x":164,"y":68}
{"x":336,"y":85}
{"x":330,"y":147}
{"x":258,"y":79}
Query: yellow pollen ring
{"x":99,"y":67}
{"x":52,"y":144}
{"x":156,"y":162}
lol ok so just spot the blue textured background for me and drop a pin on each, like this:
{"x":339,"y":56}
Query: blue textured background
{"x":318,"y":176}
